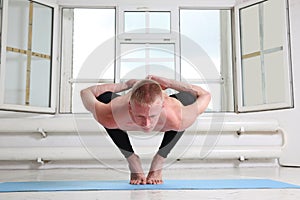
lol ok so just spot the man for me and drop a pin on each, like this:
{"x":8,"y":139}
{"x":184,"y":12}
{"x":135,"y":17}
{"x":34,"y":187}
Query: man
{"x":146,"y":107}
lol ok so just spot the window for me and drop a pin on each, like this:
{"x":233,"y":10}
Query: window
{"x":27,"y":57}
{"x":146,"y":44}
{"x":88,"y":55}
{"x":264,"y":70}
{"x":206,"y":54}
{"x":100,"y":45}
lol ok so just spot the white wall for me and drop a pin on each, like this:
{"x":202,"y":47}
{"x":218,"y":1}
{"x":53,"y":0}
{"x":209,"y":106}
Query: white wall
{"x":289,"y":119}
{"x":63,"y":141}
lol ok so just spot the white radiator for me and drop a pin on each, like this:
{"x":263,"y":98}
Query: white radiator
{"x":81,"y":138}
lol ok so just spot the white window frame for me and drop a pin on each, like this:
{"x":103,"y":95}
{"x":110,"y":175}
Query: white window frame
{"x":54,"y":63}
{"x":148,"y":38}
{"x":239,"y":84}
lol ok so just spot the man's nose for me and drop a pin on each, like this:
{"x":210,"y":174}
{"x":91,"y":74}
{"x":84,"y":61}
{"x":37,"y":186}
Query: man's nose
{"x":146,"y":121}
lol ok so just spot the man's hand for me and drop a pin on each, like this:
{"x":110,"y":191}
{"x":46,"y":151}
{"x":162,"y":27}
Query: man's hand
{"x":131,"y":82}
{"x":163,"y":82}
{"x":202,"y":96}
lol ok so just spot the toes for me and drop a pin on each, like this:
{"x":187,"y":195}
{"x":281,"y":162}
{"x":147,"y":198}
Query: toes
{"x":148,"y":181}
{"x":143,"y":182}
{"x":134,"y":182}
{"x":154,"y":181}
{"x":138,"y":182}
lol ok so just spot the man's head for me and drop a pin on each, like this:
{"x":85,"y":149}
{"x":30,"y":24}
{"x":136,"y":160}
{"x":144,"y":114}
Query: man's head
{"x":146,"y":103}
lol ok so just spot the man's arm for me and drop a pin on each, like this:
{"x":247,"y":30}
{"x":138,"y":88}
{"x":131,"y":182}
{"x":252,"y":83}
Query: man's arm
{"x":89,"y":94}
{"x":190,"y":112}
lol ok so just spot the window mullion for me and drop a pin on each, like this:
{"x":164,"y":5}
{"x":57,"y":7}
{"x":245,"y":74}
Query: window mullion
{"x":29,"y":54}
{"x":262,"y":56}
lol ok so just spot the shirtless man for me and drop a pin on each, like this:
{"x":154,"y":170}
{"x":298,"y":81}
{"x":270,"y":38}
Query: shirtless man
{"x":146,"y":107}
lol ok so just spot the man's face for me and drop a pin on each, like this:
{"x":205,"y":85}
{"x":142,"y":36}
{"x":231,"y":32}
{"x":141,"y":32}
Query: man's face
{"x":146,"y":116}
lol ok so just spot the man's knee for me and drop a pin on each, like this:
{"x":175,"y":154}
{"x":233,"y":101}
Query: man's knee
{"x":185,"y":98}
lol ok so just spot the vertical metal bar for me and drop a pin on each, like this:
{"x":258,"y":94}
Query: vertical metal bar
{"x":29,"y":54}
{"x":147,"y":22}
{"x":119,"y":27}
{"x":240,"y":24}
{"x":262,"y":56}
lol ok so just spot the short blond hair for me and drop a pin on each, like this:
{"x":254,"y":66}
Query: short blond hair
{"x":146,"y":92}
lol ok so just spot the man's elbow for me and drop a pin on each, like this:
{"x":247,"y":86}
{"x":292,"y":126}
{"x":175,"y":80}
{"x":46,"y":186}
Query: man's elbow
{"x":208,"y":97}
{"x":82,"y":94}
{"x":204,"y":102}
{"x":87,"y":100}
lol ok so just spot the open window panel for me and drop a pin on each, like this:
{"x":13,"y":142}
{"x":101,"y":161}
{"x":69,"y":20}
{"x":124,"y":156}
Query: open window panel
{"x":29,"y":63}
{"x":263,"y":71}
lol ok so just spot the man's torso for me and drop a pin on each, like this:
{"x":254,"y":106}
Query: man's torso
{"x":169,"y":119}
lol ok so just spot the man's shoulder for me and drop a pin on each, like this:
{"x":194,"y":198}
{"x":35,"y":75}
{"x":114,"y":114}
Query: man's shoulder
{"x":172,"y":102}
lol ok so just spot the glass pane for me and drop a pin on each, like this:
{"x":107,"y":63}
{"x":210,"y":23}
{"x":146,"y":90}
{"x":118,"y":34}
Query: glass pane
{"x":188,"y":71}
{"x":147,"y":22}
{"x":133,"y":70}
{"x":140,"y":60}
{"x":93,"y":49}
{"x":15,"y":73}
{"x":252,"y":82}
{"x":93,"y":42}
{"x":40,"y":85}
{"x":161,"y":51}
{"x":159,"y":22}
{"x":133,"y":51}
{"x":165,"y":69}
{"x":135,"y":22}
{"x":208,"y":38}
{"x":250,"y":33}
{"x":42,"y":37}
{"x":18,"y":12}
{"x":275,"y":71}
{"x":206,"y":53}
{"x":273,"y":32}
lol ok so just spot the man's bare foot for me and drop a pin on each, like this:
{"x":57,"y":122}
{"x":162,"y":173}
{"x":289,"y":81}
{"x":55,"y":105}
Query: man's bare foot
{"x":137,"y":175}
{"x":155,"y":172}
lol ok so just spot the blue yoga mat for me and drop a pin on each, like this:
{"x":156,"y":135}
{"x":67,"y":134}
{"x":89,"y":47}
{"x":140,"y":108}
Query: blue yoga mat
{"x":48,"y":186}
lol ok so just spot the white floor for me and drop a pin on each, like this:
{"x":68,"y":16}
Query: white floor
{"x":290,"y":175}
